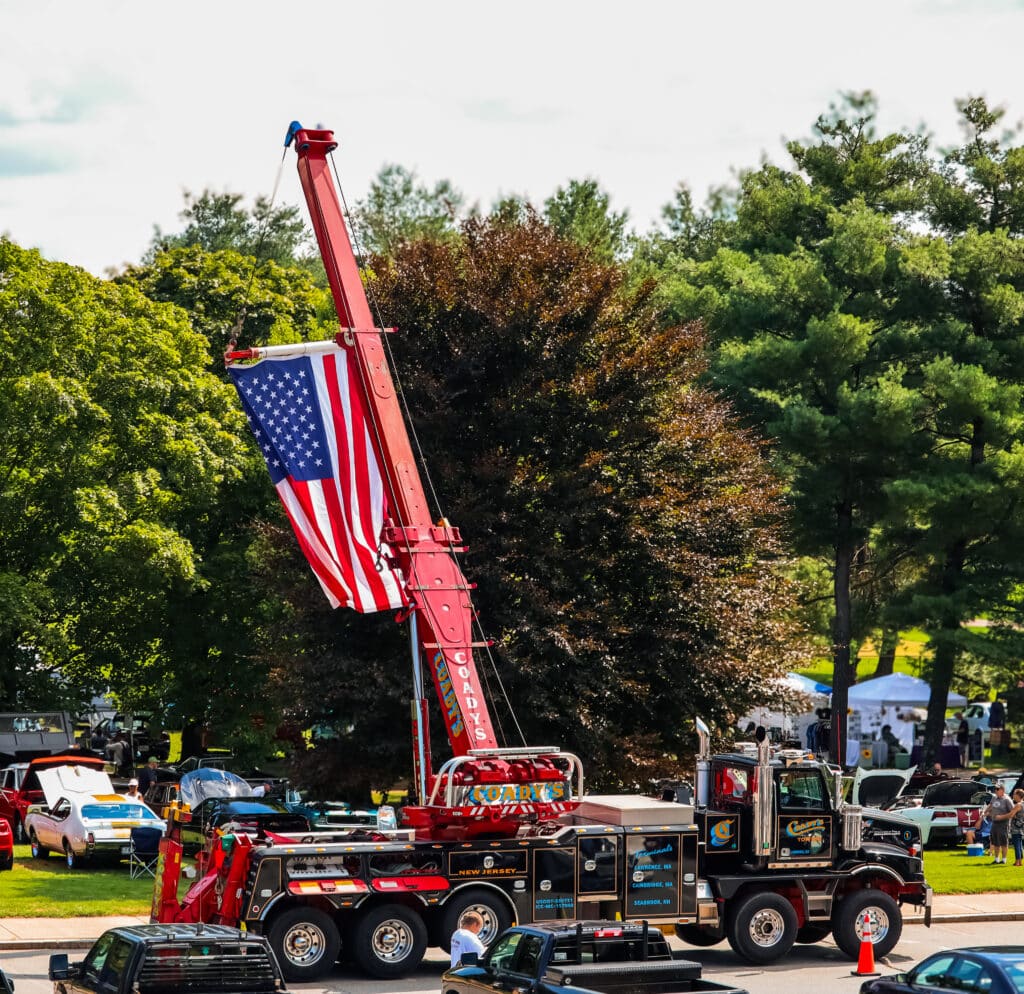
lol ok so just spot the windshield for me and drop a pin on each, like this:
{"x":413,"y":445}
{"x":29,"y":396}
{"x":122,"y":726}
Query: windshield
{"x":197,"y":786}
{"x":119,"y":812}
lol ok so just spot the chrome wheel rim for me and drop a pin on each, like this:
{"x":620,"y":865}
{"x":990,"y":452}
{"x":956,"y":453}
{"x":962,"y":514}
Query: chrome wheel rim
{"x":878,"y":921}
{"x":392,"y":940}
{"x":304,"y":944}
{"x":767,"y":927}
{"x":69,"y":856}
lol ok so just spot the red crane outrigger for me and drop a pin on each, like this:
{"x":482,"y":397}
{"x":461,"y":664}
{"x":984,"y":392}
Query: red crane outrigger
{"x":484,"y":787}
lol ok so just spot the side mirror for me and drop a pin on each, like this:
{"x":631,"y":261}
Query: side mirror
{"x":470,"y":959}
{"x":59,"y":967}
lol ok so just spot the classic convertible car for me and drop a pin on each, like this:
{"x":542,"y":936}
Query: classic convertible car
{"x":83,"y":817}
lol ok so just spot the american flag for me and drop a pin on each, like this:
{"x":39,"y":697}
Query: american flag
{"x":309,"y":418}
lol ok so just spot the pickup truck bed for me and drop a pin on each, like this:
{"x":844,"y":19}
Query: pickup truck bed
{"x":587,"y":957}
{"x":655,"y":977}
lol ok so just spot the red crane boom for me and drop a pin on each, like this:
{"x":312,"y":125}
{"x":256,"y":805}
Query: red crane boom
{"x":484,"y":783}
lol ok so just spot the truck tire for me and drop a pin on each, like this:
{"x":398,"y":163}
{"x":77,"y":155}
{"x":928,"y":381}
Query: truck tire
{"x":389,"y":941}
{"x":488,"y":905}
{"x":762,"y":928}
{"x":814,"y":932}
{"x":694,"y":935}
{"x":884,"y":916}
{"x":39,"y":851}
{"x":19,"y":831}
{"x":306,"y":943}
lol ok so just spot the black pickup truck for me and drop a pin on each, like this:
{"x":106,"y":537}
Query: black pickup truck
{"x":579,"y":958}
{"x":167,"y":959}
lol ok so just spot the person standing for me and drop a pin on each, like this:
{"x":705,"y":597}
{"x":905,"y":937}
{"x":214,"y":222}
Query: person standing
{"x":465,"y":937}
{"x":963,"y":738}
{"x":147,"y":776}
{"x":133,"y":793}
{"x":998,"y":810}
{"x":1017,"y":826}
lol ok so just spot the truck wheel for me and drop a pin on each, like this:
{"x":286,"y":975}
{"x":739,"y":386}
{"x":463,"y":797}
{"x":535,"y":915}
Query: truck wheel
{"x":389,"y":941}
{"x":488,"y":905}
{"x":814,"y":932}
{"x":19,"y":831}
{"x":694,"y":935}
{"x":306,"y":943}
{"x":762,"y":928}
{"x":38,"y":851}
{"x":884,"y":917}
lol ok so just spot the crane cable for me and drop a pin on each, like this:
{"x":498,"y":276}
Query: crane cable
{"x":400,"y":391}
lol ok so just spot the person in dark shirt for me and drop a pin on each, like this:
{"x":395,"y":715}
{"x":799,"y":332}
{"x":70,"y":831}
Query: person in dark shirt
{"x":147,"y":775}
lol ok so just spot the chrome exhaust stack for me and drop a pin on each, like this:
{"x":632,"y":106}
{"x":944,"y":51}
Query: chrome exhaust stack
{"x":702,"y":788}
{"x":764,"y":799}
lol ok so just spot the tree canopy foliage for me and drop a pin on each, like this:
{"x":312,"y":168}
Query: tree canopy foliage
{"x":810,"y":384}
{"x":120,"y":456}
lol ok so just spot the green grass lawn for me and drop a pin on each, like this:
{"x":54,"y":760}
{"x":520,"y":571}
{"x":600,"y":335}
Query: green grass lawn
{"x":952,"y":871}
{"x":48,"y":889}
{"x":911,"y":648}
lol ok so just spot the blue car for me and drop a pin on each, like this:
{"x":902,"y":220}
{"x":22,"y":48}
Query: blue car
{"x":992,"y":969}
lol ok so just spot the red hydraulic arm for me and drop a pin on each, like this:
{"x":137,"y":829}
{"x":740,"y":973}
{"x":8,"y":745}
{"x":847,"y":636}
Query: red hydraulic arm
{"x":483,"y":788}
{"x":438,"y":591}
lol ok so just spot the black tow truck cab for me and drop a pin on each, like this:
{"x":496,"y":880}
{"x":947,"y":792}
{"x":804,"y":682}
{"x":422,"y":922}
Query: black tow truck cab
{"x":579,"y":958}
{"x":784,"y":859}
{"x":166,"y":959}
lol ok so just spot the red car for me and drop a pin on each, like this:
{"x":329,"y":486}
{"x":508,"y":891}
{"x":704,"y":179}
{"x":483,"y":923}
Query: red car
{"x":6,"y":845}
{"x":15,"y":800}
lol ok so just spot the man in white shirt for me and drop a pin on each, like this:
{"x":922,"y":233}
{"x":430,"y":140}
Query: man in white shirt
{"x":262,"y":790}
{"x":464,"y":939}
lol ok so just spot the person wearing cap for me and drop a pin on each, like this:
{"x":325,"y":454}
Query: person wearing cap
{"x":133,"y":790}
{"x":147,"y":775}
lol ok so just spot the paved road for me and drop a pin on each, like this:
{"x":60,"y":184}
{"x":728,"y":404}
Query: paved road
{"x":819,"y":967}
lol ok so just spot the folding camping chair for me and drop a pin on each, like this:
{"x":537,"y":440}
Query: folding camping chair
{"x":144,"y":851}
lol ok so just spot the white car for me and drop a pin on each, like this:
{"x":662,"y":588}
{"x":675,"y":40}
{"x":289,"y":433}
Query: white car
{"x":976,"y":715}
{"x":83,"y":817}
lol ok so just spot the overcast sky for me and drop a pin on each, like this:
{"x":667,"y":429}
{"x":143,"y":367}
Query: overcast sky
{"x":110,"y":110}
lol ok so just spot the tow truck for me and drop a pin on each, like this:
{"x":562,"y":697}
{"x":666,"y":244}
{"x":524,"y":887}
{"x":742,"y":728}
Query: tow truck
{"x":511,"y":832}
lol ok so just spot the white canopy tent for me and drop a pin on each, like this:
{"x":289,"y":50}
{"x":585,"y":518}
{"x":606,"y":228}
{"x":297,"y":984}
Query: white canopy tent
{"x":891,"y":700}
{"x":896,"y":690}
{"x":791,"y":723}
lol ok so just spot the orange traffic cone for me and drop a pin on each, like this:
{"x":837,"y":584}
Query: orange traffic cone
{"x":866,"y":958}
